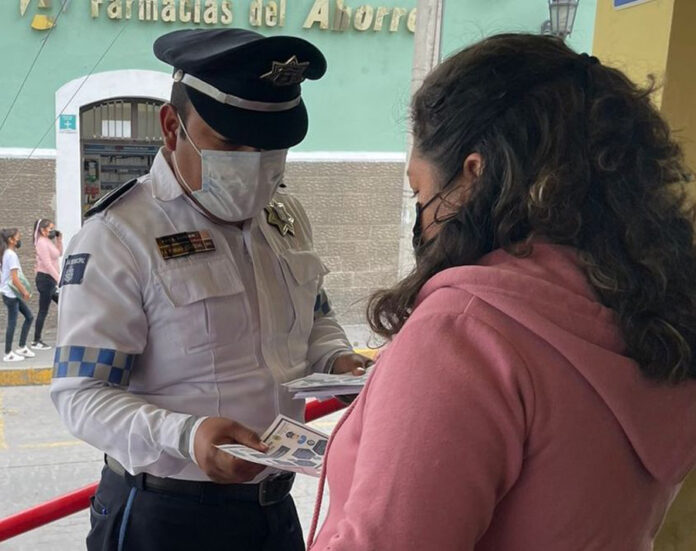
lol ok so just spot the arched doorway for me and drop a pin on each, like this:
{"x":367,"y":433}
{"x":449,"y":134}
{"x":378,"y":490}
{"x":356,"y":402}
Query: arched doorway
{"x":110,"y":90}
{"x":119,"y":140}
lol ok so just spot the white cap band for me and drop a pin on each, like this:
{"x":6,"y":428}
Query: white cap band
{"x":229,"y":99}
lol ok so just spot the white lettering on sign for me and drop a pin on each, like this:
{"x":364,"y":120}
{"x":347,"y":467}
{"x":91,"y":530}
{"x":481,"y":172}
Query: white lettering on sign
{"x":363,"y":17}
{"x":334,"y":15}
{"x":270,"y":13}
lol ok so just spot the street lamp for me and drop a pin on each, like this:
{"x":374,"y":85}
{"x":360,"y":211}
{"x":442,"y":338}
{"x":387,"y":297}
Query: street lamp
{"x":561,"y":18}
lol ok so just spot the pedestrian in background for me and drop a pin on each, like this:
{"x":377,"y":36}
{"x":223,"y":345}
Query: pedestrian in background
{"x":48,"y":243}
{"x":538,"y":391}
{"x":15,"y":291}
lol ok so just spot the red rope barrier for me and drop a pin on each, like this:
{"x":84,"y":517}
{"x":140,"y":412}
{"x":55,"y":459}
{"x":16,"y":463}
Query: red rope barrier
{"x":73,"y":502}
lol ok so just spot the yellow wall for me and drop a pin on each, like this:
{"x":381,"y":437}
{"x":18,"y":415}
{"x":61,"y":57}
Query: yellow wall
{"x":679,"y":106}
{"x":656,"y":38}
{"x":634,"y":39}
{"x":679,"y":529}
{"x":679,"y":96}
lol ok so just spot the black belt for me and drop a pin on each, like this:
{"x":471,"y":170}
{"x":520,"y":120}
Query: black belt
{"x":267,"y":492}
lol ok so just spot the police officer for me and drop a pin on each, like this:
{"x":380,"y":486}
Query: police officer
{"x":188,"y":297}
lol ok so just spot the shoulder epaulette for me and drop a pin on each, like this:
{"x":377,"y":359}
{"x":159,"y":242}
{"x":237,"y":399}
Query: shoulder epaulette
{"x":110,"y":198}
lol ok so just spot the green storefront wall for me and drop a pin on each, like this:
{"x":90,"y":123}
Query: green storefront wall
{"x":360,"y":105}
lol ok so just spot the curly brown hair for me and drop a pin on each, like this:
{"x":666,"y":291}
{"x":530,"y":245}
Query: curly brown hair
{"x":577,"y":153}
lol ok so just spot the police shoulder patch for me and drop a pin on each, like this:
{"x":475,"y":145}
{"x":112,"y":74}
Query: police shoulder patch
{"x":74,"y":269}
{"x":110,"y":198}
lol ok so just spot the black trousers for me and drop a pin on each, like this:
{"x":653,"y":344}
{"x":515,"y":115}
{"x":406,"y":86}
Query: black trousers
{"x":46,"y":286}
{"x":126,"y":518}
{"x":14,"y":307}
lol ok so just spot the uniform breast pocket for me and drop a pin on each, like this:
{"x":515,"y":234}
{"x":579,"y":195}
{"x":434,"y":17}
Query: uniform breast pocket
{"x":303,"y":271}
{"x":197,"y":293}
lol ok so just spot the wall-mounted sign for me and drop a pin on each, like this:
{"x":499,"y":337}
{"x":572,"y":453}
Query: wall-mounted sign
{"x":620,"y":4}
{"x":40,"y":21}
{"x":67,"y":123}
{"x":334,"y":15}
{"x":362,"y":18}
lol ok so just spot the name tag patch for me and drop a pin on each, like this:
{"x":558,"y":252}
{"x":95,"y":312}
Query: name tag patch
{"x":185,"y":244}
{"x":74,"y":269}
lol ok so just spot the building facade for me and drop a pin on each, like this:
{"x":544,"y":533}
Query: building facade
{"x":81,"y":92}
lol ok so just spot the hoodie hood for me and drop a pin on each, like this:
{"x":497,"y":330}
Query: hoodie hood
{"x":548,"y":293}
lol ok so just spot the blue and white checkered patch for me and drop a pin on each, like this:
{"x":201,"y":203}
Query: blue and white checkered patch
{"x":322,"y":306}
{"x":104,"y":364}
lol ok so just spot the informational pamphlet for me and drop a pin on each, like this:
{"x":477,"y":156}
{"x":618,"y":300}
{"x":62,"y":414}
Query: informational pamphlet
{"x":292,"y":445}
{"x":322,"y":385}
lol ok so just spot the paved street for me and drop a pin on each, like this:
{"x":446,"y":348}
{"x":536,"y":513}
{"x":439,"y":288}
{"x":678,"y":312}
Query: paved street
{"x":40,"y":460}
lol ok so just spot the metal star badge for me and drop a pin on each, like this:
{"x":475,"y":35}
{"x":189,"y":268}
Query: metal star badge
{"x":288,"y":73}
{"x":277,"y":215}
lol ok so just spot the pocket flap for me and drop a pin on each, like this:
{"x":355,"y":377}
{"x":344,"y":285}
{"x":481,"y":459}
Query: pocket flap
{"x":305,"y":266}
{"x":189,"y":283}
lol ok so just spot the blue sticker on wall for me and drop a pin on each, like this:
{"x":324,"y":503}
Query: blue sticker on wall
{"x":619,"y":4}
{"x":74,"y":269}
{"x":67,"y":123}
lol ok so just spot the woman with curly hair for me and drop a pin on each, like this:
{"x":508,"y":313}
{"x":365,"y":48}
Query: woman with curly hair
{"x":538,"y":389}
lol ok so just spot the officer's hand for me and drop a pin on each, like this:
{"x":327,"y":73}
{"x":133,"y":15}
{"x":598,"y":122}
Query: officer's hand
{"x":351,"y":363}
{"x":221,"y":466}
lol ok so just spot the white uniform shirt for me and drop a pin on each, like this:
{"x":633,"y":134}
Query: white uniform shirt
{"x":9,"y":261}
{"x":148,"y":346}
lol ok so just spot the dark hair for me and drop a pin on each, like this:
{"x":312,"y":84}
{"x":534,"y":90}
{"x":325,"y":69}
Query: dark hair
{"x":5,"y":235}
{"x":40,"y":224}
{"x":572,"y":151}
{"x":181,"y":102}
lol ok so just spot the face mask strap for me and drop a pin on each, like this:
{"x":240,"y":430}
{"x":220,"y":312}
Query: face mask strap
{"x":179,"y":176}
{"x":188,"y":137}
{"x":442,"y":195}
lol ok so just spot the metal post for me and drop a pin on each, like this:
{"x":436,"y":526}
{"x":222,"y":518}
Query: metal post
{"x":426,"y":54}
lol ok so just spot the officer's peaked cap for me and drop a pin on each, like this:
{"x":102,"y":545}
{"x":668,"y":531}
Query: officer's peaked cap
{"x":244,"y":85}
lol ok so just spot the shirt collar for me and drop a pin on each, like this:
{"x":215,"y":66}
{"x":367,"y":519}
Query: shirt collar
{"x":165,"y":186}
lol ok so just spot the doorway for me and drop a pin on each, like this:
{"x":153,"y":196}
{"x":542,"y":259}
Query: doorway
{"x":119,"y":139}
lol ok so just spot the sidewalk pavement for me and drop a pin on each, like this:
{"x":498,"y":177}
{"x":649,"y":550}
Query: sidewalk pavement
{"x":31,"y":371}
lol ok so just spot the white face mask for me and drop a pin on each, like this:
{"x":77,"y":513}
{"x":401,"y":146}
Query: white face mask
{"x":236,"y":185}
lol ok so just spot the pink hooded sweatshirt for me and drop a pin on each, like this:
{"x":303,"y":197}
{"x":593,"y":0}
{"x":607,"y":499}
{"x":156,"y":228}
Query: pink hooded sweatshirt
{"x":506,"y":417}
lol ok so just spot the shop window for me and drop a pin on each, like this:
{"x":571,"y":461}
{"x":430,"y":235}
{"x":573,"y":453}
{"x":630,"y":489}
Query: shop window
{"x":119,"y":141}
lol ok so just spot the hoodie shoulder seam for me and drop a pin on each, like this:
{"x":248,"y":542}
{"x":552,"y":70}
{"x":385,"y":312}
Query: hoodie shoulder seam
{"x":510,"y":344}
{"x":467,"y":313}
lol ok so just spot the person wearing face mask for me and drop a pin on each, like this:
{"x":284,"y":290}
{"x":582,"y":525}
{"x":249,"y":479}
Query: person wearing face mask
{"x":189,"y":297}
{"x":538,"y":387}
{"x":15,"y":292}
{"x":48,"y":243}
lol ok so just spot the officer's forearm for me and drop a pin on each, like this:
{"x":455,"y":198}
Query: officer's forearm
{"x":327,"y":340}
{"x":105,"y":416}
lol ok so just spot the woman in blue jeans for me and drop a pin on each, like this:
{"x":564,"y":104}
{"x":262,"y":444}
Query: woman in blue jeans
{"x":14,"y":295}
